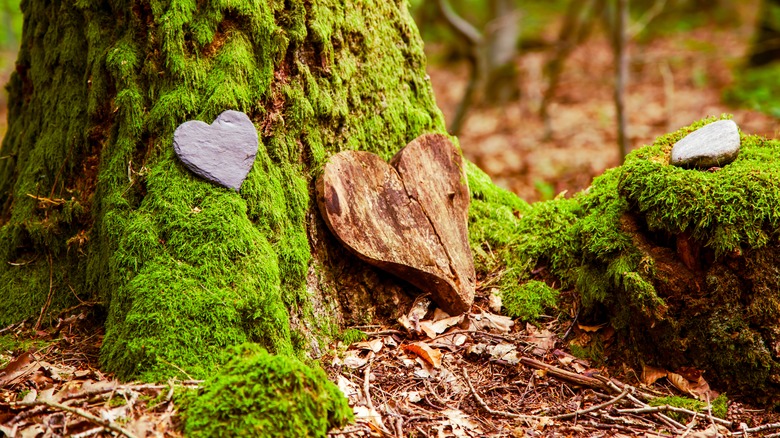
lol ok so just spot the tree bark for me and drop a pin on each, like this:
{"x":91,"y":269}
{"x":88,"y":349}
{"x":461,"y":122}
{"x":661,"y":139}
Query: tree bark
{"x":93,"y":198}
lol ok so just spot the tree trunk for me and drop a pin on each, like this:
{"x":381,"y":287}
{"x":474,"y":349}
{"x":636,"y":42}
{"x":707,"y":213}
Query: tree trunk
{"x":94,"y":205}
{"x":766,"y":43}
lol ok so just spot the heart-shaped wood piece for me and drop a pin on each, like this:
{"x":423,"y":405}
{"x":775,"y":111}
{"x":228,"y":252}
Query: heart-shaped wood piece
{"x":409,"y":217}
{"x":222,"y":152}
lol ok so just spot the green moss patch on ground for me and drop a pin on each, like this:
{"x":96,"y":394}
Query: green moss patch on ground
{"x":259,"y":394}
{"x":719,"y":406}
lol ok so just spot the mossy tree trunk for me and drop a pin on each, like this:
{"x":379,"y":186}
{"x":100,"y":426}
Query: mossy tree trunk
{"x":95,"y":206}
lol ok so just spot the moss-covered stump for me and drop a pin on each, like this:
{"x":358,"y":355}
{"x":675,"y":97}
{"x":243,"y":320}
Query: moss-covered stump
{"x":684,"y":263}
{"x":264,"y":395}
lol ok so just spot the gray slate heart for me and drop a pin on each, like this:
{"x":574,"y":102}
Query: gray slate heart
{"x":716,"y":144}
{"x":222,"y":152}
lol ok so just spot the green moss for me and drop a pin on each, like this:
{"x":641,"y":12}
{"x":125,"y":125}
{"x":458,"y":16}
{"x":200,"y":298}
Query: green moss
{"x":11,"y":343}
{"x":186,"y":268}
{"x":719,"y":405}
{"x":529,"y":300}
{"x":350,"y":336}
{"x":258,"y":394}
{"x":592,"y":351}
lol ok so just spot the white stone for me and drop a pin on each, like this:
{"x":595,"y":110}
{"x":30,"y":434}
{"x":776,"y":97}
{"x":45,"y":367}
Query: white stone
{"x":716,"y":144}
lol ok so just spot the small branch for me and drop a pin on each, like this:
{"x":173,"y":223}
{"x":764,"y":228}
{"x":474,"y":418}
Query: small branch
{"x":762,"y":428}
{"x":80,"y":412}
{"x":461,"y":26}
{"x":48,"y":297}
{"x":597,"y":407}
{"x":668,"y":408}
{"x":669,"y":422}
{"x":563,"y":374}
{"x":488,"y":408}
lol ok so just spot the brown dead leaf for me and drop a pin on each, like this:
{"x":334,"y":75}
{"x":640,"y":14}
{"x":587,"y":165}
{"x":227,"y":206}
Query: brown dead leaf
{"x":492,"y":322}
{"x":17,"y":368}
{"x":543,"y":340}
{"x":651,"y":374}
{"x":428,"y":354}
{"x":591,"y":328}
{"x":679,"y":382}
{"x":689,"y":373}
{"x":701,"y":389}
{"x":434,"y":328}
{"x":374,"y":345}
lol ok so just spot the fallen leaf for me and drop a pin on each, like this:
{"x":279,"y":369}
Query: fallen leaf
{"x":494,"y":301}
{"x":352,"y":359}
{"x":347,"y":387}
{"x":476,"y":349}
{"x":432,"y":329}
{"x":492,"y":322}
{"x":30,"y":396}
{"x":701,"y":389}
{"x":591,"y":328}
{"x":411,"y":396}
{"x":22,"y":365}
{"x":457,"y":418}
{"x":543,"y":340}
{"x":428,"y":354}
{"x":689,"y":373}
{"x":505,"y":352}
{"x":374,"y":345}
{"x":651,"y":374}
{"x":679,"y":382}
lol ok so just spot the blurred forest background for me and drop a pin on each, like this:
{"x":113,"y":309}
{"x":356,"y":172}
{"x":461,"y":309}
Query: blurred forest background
{"x":529,"y":86}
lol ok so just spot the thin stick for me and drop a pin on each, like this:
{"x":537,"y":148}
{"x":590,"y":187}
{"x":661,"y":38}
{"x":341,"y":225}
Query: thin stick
{"x":369,"y":403}
{"x":668,"y":408}
{"x":49,"y":296}
{"x":669,"y":422}
{"x":80,"y":412}
{"x":563,"y":374}
{"x":609,"y":402}
{"x":488,"y":408}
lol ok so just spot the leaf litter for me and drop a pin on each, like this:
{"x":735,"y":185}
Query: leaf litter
{"x":483,"y":375}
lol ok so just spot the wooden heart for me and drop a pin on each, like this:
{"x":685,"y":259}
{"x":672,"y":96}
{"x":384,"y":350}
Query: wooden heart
{"x":222,"y":152}
{"x":408,"y":218}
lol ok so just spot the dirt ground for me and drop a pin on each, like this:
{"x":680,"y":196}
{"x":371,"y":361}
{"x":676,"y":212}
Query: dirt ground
{"x":674,"y":81}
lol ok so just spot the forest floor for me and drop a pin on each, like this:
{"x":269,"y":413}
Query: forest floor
{"x":674,"y":80}
{"x":481,"y":374}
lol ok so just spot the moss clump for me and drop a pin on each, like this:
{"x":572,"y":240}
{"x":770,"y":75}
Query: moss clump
{"x":259,"y":394}
{"x":529,"y":300}
{"x":510,"y":238}
{"x":719,"y":405}
{"x":350,"y":336}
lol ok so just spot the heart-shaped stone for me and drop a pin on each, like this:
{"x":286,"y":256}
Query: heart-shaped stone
{"x":222,"y":152}
{"x":409,"y":217}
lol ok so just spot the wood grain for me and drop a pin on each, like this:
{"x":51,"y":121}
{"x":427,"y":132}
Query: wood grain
{"x":408,"y":217}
